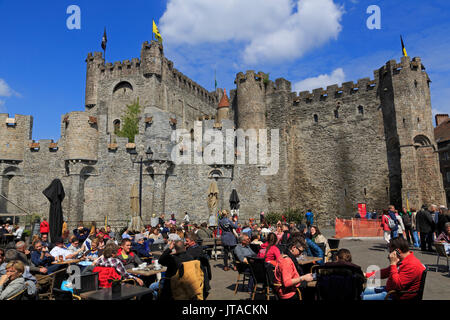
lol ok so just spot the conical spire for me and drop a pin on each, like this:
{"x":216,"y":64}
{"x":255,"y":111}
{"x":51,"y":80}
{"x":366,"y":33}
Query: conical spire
{"x":224,"y":102}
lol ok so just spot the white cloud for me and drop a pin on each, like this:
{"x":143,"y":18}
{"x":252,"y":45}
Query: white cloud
{"x":322,"y":81}
{"x":6,"y":91}
{"x":270,"y":30}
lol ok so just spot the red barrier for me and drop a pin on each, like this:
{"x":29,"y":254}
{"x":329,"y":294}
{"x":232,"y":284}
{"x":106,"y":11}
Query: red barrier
{"x":357,"y":228}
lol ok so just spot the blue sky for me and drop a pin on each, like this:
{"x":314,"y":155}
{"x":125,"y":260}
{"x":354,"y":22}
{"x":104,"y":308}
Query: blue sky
{"x":312,"y":43}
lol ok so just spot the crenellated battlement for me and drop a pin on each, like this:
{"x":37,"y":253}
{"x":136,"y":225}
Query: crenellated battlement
{"x":43,"y":145}
{"x":120,"y":69}
{"x":405,"y":63}
{"x":250,"y":76}
{"x":187,"y":84}
{"x":335,"y":91}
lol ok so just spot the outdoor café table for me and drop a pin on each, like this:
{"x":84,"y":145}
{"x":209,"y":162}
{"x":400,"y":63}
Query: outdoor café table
{"x":147,"y":272}
{"x":308,"y":260}
{"x":128,"y":291}
{"x":67,"y":261}
{"x":214,"y":242}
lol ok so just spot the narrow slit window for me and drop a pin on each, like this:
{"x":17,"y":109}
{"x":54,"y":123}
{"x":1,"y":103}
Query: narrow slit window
{"x":316,"y":118}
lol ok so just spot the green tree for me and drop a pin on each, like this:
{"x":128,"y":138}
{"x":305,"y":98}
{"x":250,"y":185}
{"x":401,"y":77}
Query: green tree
{"x":130,"y":121}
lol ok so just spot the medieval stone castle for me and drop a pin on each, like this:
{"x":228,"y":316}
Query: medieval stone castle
{"x":367,"y":142}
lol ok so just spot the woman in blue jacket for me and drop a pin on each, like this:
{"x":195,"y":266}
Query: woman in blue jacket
{"x":228,"y":238}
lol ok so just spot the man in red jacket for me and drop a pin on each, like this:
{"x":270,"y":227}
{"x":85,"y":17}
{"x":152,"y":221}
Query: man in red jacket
{"x":404,"y":273}
{"x":44,"y":227}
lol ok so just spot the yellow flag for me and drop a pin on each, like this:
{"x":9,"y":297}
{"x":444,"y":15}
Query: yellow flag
{"x":403,"y":47}
{"x":156,"y":32}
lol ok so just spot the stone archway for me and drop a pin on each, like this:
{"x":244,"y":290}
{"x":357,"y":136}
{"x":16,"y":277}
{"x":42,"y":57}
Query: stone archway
{"x":7,"y":184}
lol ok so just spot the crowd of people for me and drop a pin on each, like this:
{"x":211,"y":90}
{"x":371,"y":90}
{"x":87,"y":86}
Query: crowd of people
{"x":114,"y":253}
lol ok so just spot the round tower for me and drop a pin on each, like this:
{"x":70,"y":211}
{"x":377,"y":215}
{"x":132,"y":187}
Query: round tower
{"x":92,"y":77}
{"x":223,"y":109}
{"x":81,"y":136}
{"x":251,"y":108}
{"x":151,"y":58}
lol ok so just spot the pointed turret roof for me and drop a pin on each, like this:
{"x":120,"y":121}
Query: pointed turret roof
{"x":224,"y":102}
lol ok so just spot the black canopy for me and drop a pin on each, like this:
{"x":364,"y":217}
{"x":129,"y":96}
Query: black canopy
{"x":234,"y":200}
{"x":55,"y":194}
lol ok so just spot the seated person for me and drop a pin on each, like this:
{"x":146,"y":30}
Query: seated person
{"x":17,"y":232}
{"x":242,"y":251}
{"x":269,"y":251}
{"x":74,"y":245}
{"x":109,"y":260}
{"x":404,"y":273}
{"x":444,"y":237}
{"x":128,"y":258}
{"x":13,"y":255}
{"x":141,"y":246}
{"x":173,"y":263}
{"x":155,"y":234}
{"x":317,"y":237}
{"x":344,"y":258}
{"x":95,"y":252}
{"x":59,"y":251}
{"x":312,"y":249}
{"x":44,"y":241}
{"x":192,"y":246}
{"x":203,"y":232}
{"x":81,"y":233}
{"x":12,"y":282}
{"x":110,"y":233}
{"x":256,"y":239}
{"x":41,"y":258}
{"x":24,"y":255}
{"x":287,"y":279}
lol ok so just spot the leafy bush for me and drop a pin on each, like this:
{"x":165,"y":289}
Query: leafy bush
{"x":291,"y":215}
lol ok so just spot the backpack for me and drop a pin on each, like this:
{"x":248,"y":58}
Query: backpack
{"x":391,"y":223}
{"x":188,"y":282}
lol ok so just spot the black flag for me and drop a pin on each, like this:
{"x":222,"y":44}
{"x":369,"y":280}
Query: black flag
{"x":104,"y":40}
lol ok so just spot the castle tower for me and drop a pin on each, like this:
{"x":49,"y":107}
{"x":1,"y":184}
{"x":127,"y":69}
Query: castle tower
{"x":81,"y":136}
{"x":223,"y":109}
{"x":92,"y":77}
{"x":151,"y":58}
{"x":414,"y":166}
{"x":251,"y":108}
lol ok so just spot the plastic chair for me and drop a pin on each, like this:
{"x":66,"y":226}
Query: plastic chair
{"x":88,"y":282}
{"x":419,"y":293}
{"x":440,"y":250}
{"x":242,"y":270}
{"x":54,"y":279}
{"x":259,"y":274}
{"x":341,"y":283}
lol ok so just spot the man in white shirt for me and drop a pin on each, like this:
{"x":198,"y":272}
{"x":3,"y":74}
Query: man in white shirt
{"x":18,"y":232}
{"x":59,"y":250}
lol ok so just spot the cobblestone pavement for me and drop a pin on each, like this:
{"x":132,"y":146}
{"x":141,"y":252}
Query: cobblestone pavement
{"x":365,"y":252}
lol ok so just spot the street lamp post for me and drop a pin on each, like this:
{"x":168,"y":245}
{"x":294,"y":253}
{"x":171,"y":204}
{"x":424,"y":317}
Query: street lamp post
{"x":139,"y":158}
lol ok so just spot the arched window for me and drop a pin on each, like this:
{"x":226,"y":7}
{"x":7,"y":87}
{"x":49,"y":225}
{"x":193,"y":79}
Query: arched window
{"x":422,"y":140}
{"x":123,"y":87}
{"x":116,"y":125}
